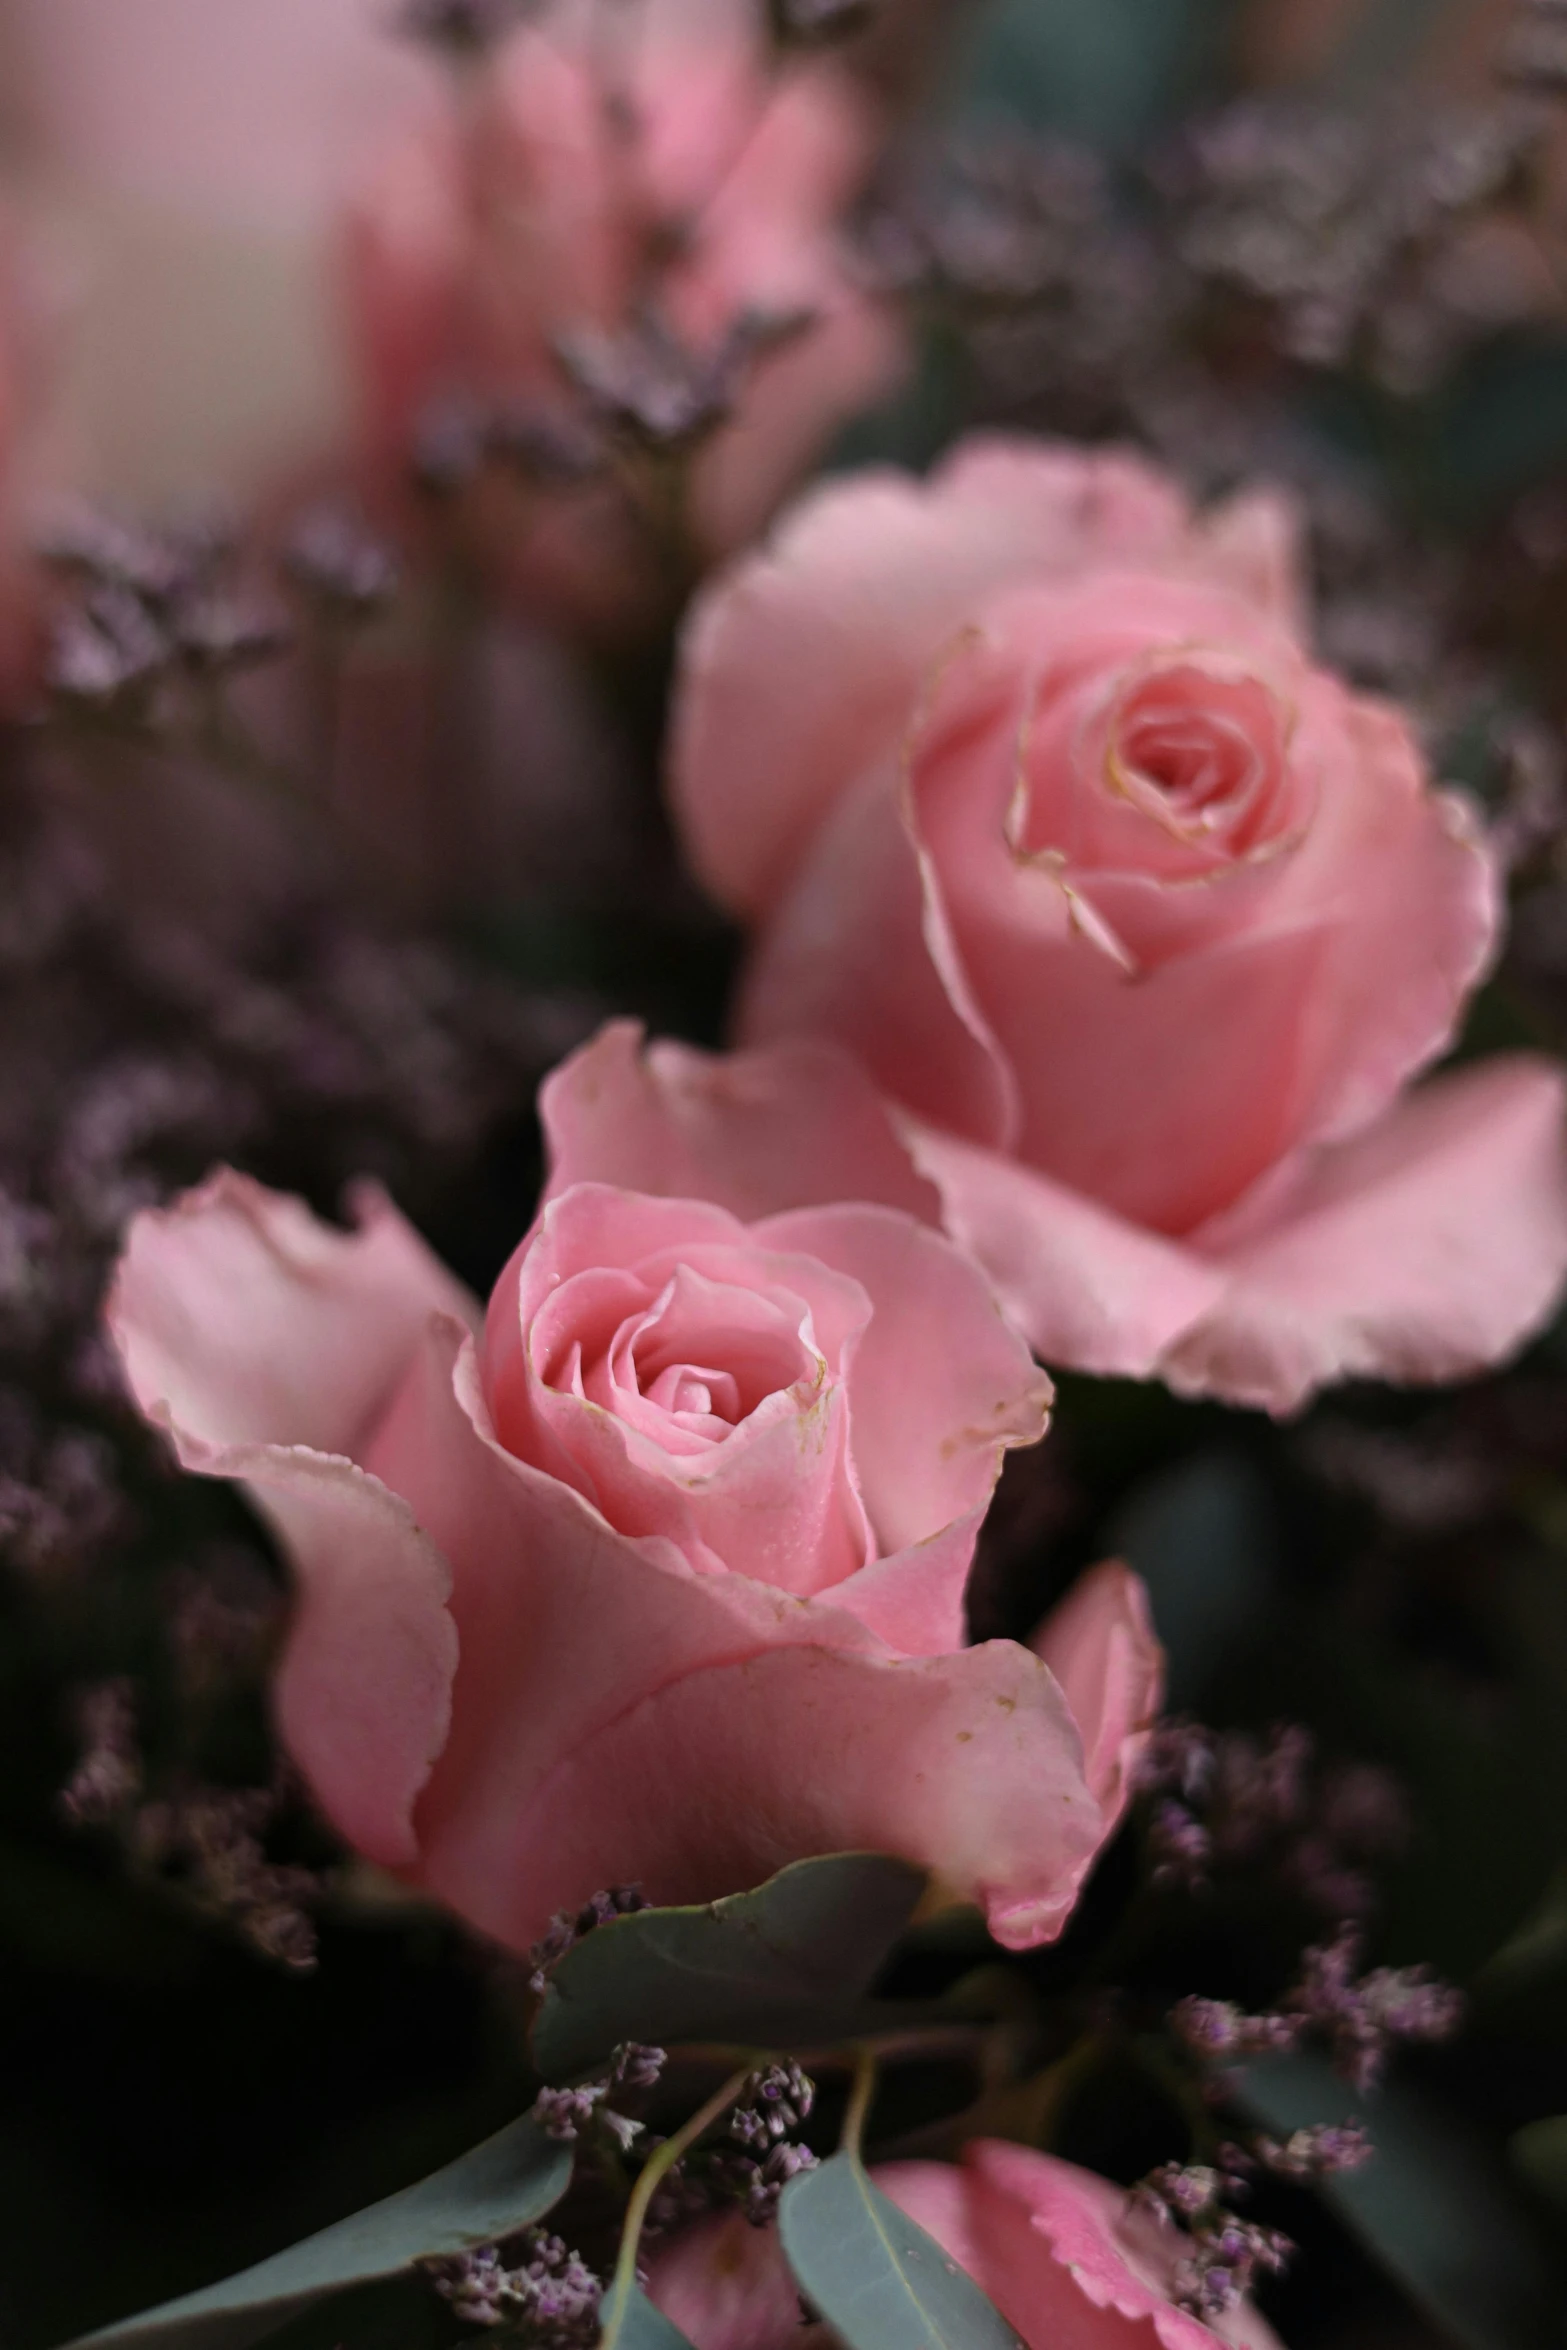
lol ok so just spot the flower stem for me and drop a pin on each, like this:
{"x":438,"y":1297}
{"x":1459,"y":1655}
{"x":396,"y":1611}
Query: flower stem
{"x":655,"y":2170}
{"x":860,"y":2097}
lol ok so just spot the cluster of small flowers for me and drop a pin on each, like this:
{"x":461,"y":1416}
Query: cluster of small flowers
{"x":1221,"y":2033}
{"x":467,"y":29}
{"x":210,"y":1840}
{"x":1361,"y":2018}
{"x":756,"y":2185}
{"x":549,"y":2300}
{"x":1318,"y":2153}
{"x":147,"y":606}
{"x":108,"y":1774}
{"x":776,"y":2101}
{"x":772,"y":2102}
{"x":1230,"y":1801}
{"x":568,"y":2114}
{"x":566,"y":1928}
{"x":1228,"y":2253}
{"x":205,"y":1842}
{"x":1348,"y":231}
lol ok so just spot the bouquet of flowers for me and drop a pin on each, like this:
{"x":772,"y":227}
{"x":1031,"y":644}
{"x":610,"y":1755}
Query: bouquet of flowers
{"x":750,"y":746}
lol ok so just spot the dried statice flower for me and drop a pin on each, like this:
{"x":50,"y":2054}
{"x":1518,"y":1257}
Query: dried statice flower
{"x":757,"y":2185}
{"x":451,"y":443}
{"x":548,"y":448}
{"x":1221,"y":2033}
{"x":209,"y":1841}
{"x":334,"y":559}
{"x":1352,"y":233}
{"x":1319,"y":2153}
{"x":224,"y":1615}
{"x":108,"y":1776}
{"x":772,"y":2104}
{"x":1227,"y":2253}
{"x":1533,"y":54}
{"x":1225,"y":2265}
{"x":1184,"y":2190}
{"x":651,"y":391}
{"x":104,"y":550}
{"x":63,"y":1505}
{"x":108,"y":653}
{"x":1362,"y":2017}
{"x":566,"y":2114}
{"x":636,"y":2066}
{"x":463,"y":28}
{"x":565,"y":1929}
{"x":221,"y":631}
{"x":549,"y":2300}
{"x":1233,"y":1802}
{"x":818,"y":24}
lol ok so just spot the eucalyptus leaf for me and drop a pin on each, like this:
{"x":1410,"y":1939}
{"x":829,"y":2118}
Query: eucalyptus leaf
{"x":1540,"y":2154}
{"x":1429,"y":2207}
{"x":880,"y":2282}
{"x":629,"y":2321}
{"x":782,"y":1967}
{"x":489,"y":2192}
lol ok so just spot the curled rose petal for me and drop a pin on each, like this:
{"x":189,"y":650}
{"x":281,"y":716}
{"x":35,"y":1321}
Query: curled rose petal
{"x":1101,"y":1646}
{"x":267,"y":1346}
{"x":1424,"y":1249}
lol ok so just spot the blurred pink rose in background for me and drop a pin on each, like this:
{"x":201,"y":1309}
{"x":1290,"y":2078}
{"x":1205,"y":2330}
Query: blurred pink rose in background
{"x":574,"y":198}
{"x":657,"y":1573}
{"x":1068,"y":2258}
{"x":1035,"y":802}
{"x":191,"y":157}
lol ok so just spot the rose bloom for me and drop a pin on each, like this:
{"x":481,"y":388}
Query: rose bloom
{"x":655,"y":1571}
{"x":493,"y":233}
{"x":1030,"y":792}
{"x":1068,"y":2259}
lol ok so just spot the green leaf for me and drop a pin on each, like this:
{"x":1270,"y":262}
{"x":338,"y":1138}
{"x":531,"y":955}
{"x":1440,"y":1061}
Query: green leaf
{"x":1540,"y":2154}
{"x":1429,"y":2207}
{"x":879,"y":2281}
{"x":782,"y":1967}
{"x":630,"y":2322}
{"x":490,"y":2192}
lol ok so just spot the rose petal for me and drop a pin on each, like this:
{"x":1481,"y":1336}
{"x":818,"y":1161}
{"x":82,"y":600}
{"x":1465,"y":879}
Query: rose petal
{"x":1091,"y":1292}
{"x":1427,"y":1248}
{"x":1101,"y":1646}
{"x":776,"y":1498}
{"x":940,"y":1385}
{"x":725,"y":2285}
{"x":240,"y":1318}
{"x":618,"y":1716}
{"x":254,"y":1322}
{"x":1063,"y":2245}
{"x":862,"y":951}
{"x":854,"y":597}
{"x":1255,"y":543}
{"x":754,"y":1132}
{"x":914,"y":1599}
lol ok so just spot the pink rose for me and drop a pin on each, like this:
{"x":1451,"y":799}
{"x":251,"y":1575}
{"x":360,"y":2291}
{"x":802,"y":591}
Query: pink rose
{"x":1067,"y":2258}
{"x":484,"y":240}
{"x":1036,"y":803}
{"x":655,"y":1572}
